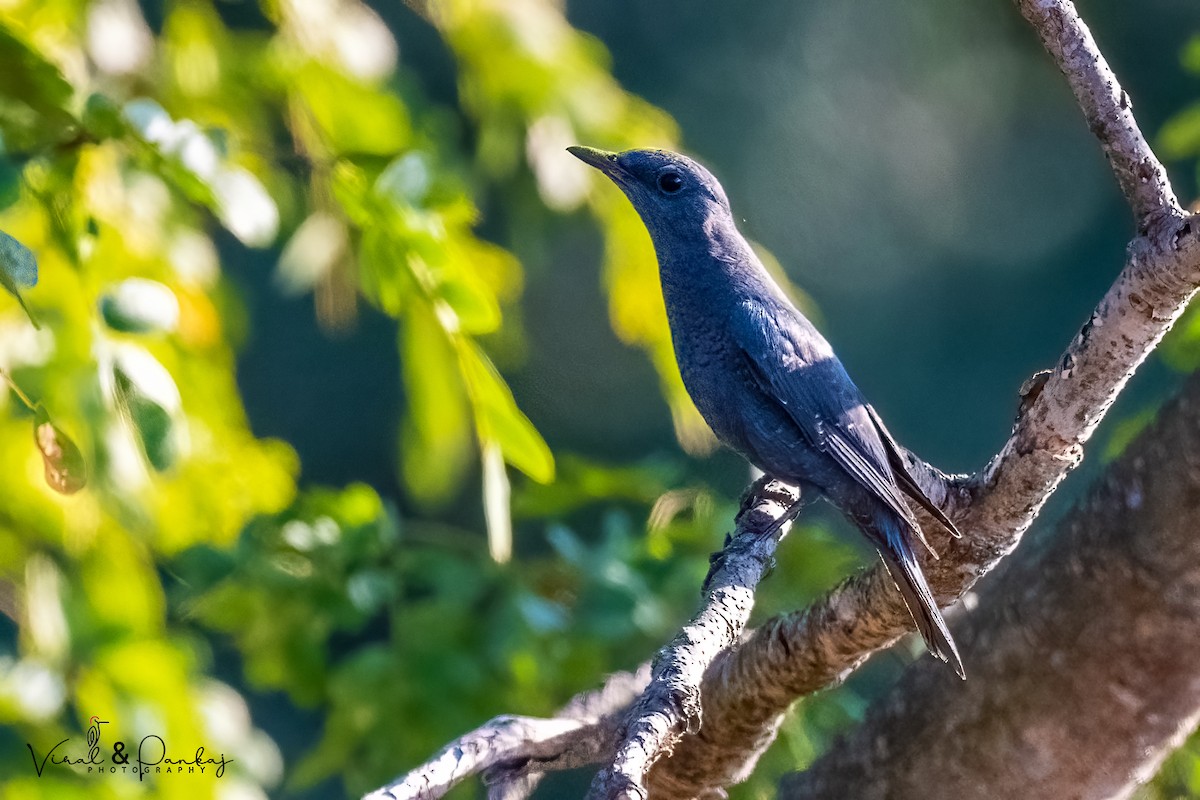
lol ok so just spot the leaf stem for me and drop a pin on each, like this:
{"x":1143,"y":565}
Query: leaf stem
{"x":24,"y":398}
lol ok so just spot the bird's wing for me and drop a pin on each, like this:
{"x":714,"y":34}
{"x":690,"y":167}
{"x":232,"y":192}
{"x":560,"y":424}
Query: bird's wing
{"x":905,"y":478}
{"x":794,"y":365}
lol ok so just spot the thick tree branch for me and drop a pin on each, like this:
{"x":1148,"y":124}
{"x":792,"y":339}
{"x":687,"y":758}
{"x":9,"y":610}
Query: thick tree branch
{"x":1084,"y":654}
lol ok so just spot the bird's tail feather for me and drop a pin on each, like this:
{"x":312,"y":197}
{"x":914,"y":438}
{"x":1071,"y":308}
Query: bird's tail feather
{"x":902,"y":563}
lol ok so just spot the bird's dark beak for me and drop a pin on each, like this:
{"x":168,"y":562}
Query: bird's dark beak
{"x":602,"y":160}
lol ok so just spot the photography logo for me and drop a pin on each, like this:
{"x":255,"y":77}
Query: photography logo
{"x":150,"y":757}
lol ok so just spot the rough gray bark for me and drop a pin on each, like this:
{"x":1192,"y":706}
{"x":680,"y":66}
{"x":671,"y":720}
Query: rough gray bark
{"x":1084,"y":655}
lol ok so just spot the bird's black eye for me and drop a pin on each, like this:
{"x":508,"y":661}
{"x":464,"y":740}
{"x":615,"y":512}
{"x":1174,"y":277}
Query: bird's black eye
{"x":670,"y":182}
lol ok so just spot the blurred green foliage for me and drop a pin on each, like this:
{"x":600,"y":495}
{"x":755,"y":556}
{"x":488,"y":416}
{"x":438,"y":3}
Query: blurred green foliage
{"x":126,"y":151}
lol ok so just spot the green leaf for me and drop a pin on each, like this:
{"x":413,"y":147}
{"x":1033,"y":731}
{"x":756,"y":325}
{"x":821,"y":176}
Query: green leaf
{"x":66,"y":472}
{"x":472,"y":301}
{"x":148,"y":397}
{"x":10,"y":183}
{"x":102,"y":117}
{"x":435,"y":436}
{"x":350,"y":117}
{"x":34,"y":97}
{"x":498,"y":419}
{"x":138,"y":305}
{"x":18,"y":270}
{"x":1191,"y":55}
{"x":1180,"y":136}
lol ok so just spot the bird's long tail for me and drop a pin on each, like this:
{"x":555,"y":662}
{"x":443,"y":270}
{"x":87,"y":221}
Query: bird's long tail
{"x":901,"y":561}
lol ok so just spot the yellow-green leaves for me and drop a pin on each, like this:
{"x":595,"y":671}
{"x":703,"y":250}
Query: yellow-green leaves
{"x":420,"y":261}
{"x":435,"y":434}
{"x":532,"y":97}
{"x":350,"y":117}
{"x":498,"y":419}
{"x":66,"y":472}
{"x":18,"y":270}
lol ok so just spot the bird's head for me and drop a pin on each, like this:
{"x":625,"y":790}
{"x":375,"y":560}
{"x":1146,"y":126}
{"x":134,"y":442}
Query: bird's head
{"x":675,"y":196}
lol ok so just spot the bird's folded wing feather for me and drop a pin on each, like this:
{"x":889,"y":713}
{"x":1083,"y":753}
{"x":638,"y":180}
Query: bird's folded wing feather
{"x":906,"y":479}
{"x":794,"y":365}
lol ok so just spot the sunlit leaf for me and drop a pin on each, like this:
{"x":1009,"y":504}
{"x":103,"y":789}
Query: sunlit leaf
{"x":137,"y":305}
{"x":18,"y":270}
{"x":66,"y":472}
{"x":472,"y":301}
{"x":191,"y":159}
{"x":435,"y":436}
{"x":149,"y":398}
{"x":312,"y":252}
{"x":351,"y":117}
{"x":164,"y":146}
{"x":407,"y":179}
{"x":499,"y":418}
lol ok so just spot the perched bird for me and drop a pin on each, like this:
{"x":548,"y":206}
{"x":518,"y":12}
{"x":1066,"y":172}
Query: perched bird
{"x":764,"y":378}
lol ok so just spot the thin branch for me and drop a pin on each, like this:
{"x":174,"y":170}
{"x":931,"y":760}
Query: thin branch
{"x":502,"y":739}
{"x":1106,"y":107}
{"x":514,"y":751}
{"x":669,"y":708}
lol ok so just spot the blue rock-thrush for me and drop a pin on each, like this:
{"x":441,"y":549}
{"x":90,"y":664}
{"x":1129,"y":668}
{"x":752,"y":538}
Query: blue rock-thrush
{"x":764,"y":378}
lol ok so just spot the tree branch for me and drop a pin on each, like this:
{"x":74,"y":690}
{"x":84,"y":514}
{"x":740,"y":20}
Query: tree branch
{"x":670,"y":706}
{"x":515,"y":751}
{"x":1105,"y":106}
{"x":1084,"y":654}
